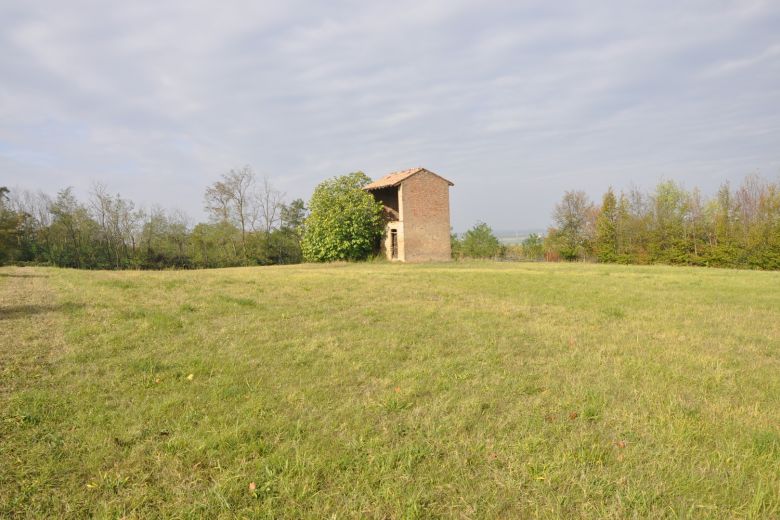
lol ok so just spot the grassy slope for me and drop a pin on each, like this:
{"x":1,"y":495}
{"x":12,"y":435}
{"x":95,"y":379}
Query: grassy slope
{"x":472,"y":390}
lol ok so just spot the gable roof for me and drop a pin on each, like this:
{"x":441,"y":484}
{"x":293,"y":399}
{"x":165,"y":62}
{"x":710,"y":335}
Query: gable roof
{"x":396,"y":178}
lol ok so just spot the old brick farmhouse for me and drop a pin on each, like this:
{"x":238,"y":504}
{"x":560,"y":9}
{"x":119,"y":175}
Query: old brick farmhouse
{"x":417,"y":210}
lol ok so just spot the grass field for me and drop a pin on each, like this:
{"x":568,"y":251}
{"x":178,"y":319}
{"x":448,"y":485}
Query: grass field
{"x":474,"y":390}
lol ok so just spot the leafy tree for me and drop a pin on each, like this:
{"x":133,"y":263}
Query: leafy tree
{"x":669,"y":213}
{"x":34,"y":233}
{"x":9,"y":221}
{"x":283,"y":245}
{"x":344,"y":223}
{"x":480,"y":242}
{"x":214,"y":245}
{"x":456,"y":245}
{"x":533,"y":247}
{"x":73,"y":232}
{"x":573,"y":217}
{"x":606,"y":242}
{"x":164,"y":240}
{"x":293,"y":215}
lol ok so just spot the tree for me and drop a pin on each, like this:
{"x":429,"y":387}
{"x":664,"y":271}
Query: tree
{"x":455,"y":245}
{"x":606,"y":242}
{"x":283,"y":245}
{"x":213,"y":245}
{"x":293,"y":215}
{"x":573,"y":217}
{"x":344,"y":223}
{"x":9,"y":221}
{"x":234,"y":200}
{"x":480,"y":242}
{"x":533,"y":247}
{"x":269,"y":205}
{"x":669,"y":211}
{"x":118,"y":223}
{"x":108,"y":232}
{"x":164,"y":240}
{"x":34,"y":229}
{"x":73,"y":232}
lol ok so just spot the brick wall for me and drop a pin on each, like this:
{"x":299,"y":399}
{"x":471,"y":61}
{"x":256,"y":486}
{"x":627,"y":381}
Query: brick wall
{"x":386,"y":241}
{"x":424,"y":201}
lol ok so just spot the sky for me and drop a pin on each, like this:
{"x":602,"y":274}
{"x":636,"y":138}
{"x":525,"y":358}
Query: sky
{"x":513,"y":101}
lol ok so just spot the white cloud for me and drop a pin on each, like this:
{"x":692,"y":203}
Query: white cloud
{"x":514,"y":101}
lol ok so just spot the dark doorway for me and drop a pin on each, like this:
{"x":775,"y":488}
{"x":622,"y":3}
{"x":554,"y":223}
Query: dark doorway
{"x":394,"y":244}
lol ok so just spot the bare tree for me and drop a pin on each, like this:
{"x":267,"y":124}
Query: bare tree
{"x":217,"y":202}
{"x":102,"y":205}
{"x":233,"y":200}
{"x":118,"y":222}
{"x":270,"y":204}
{"x":748,"y":201}
{"x":179,"y":224}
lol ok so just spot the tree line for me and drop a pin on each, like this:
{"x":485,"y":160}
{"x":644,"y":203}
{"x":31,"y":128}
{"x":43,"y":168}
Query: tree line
{"x":249,"y":224}
{"x":737,"y":227}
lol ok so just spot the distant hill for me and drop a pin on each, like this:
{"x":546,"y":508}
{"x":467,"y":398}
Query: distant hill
{"x":515,"y":236}
{"x":512,"y":236}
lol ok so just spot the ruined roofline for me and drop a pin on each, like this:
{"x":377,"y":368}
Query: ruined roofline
{"x":396,"y":178}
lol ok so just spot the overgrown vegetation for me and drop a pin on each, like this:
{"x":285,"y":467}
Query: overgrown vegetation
{"x":477,"y":390}
{"x":249,"y":224}
{"x":671,"y":225}
{"x":477,"y":242}
{"x":345,"y":222}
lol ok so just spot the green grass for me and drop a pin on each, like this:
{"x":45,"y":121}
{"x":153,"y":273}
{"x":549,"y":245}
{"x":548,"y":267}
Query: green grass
{"x":475,"y":390}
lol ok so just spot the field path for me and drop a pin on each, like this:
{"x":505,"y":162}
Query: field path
{"x":30,"y":328}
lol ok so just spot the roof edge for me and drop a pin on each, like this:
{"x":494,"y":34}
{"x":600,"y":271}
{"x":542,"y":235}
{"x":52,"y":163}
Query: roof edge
{"x":420,"y":169}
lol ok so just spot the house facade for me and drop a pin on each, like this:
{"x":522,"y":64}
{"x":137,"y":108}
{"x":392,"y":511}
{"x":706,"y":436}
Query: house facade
{"x":417,"y":211}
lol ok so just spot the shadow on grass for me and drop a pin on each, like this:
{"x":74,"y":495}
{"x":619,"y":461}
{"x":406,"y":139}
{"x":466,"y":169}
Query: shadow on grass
{"x":11,"y":275}
{"x":12,"y":312}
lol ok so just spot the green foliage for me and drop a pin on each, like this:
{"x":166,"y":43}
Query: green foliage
{"x":344,"y":223}
{"x":9,"y":222}
{"x":282,"y":246}
{"x":671,"y":225}
{"x":249,"y":225}
{"x":214,"y":245}
{"x":480,"y":242}
{"x":669,"y":205}
{"x":456,"y":245}
{"x":606,"y":243}
{"x":72,"y":231}
{"x":533,"y":247}
{"x":573,"y":218}
{"x":293,"y":216}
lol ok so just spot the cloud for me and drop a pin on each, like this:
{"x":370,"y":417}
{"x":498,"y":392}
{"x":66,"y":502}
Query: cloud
{"x":513,"y":101}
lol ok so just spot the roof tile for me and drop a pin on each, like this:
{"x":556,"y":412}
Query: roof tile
{"x":396,"y":178}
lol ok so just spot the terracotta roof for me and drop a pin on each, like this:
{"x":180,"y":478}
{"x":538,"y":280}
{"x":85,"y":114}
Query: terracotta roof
{"x":396,"y":178}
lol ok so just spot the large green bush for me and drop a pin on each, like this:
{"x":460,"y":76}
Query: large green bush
{"x":480,"y":242}
{"x":344,"y":223}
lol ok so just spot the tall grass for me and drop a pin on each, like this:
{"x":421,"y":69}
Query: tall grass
{"x":474,"y":390}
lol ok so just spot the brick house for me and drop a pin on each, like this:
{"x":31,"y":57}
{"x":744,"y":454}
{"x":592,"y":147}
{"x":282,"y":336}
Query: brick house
{"x":417,"y":210}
